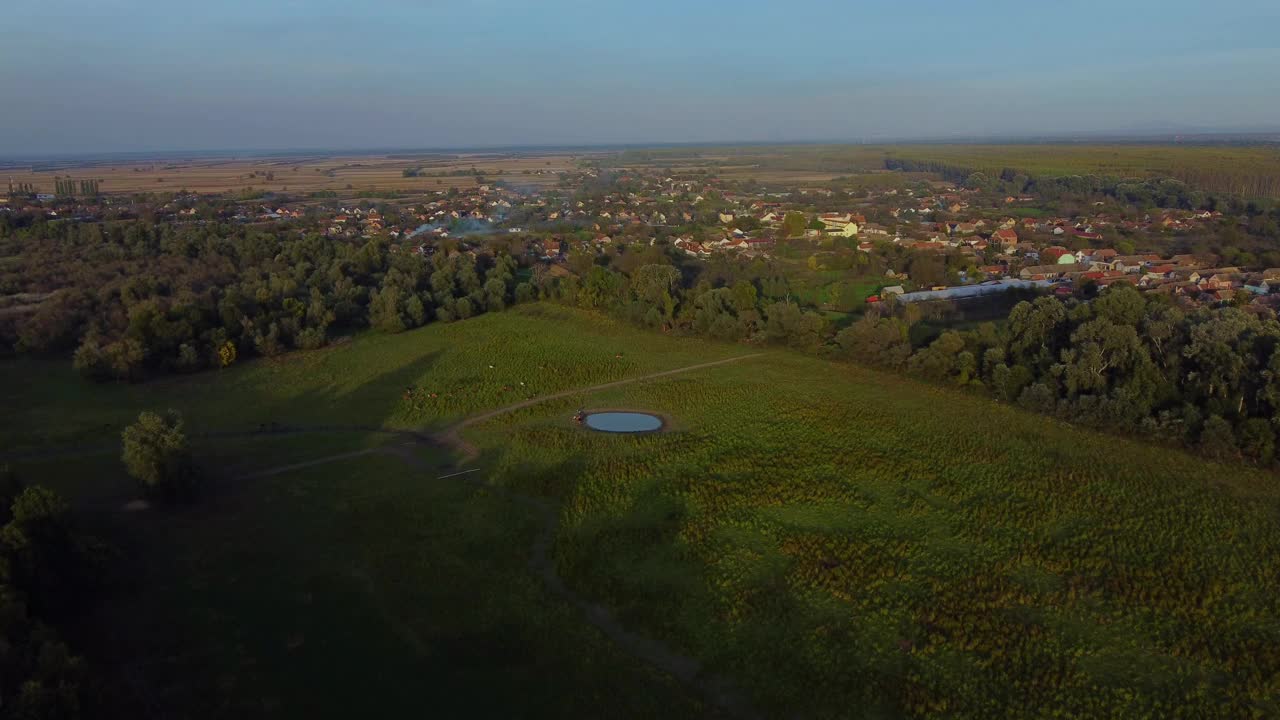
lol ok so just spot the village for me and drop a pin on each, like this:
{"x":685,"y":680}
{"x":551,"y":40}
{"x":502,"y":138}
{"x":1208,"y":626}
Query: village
{"x":922,"y":240}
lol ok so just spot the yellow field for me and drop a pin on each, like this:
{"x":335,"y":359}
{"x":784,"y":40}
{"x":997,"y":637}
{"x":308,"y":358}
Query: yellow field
{"x":305,"y":174}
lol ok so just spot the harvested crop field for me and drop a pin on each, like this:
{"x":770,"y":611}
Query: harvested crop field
{"x":305,"y":174}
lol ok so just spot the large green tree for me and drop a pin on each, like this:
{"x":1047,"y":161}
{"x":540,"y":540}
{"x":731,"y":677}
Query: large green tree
{"x":158,"y":456}
{"x":876,"y":341}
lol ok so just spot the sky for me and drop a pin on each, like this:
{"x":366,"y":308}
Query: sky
{"x":134,"y":75}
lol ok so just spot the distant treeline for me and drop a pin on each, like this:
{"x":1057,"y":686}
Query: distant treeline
{"x":460,"y":172}
{"x":1155,"y":192}
{"x":1240,"y":172}
{"x":68,"y":186}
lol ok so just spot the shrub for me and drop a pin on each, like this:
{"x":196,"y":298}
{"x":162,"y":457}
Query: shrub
{"x":1038,"y":397}
{"x":312,"y":339}
{"x":1257,"y":440}
{"x":1217,"y":439}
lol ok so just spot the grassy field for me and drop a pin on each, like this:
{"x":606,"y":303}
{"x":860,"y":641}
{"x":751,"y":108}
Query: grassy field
{"x":304,"y":174}
{"x":838,"y":538}
{"x":361,"y":589}
{"x":469,"y":366}
{"x":827,"y":537}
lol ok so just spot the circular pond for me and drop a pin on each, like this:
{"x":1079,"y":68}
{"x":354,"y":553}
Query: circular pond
{"x":623,"y":422}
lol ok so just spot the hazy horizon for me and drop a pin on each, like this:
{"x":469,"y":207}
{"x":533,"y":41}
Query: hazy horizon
{"x":129,"y":76}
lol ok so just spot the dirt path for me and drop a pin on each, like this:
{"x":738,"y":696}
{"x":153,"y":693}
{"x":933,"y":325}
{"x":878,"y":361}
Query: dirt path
{"x":453,"y":436}
{"x":716,"y":690}
{"x":281,"y":469}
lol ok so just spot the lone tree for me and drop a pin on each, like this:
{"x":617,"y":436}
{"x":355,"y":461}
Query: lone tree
{"x":157,"y":455}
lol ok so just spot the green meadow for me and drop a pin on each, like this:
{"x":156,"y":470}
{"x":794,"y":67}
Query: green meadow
{"x":823,"y":540}
{"x":467,"y":366}
{"x":360,"y":588}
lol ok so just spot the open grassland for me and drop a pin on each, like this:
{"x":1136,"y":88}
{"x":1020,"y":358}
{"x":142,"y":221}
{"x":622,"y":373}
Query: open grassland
{"x":486,"y":362}
{"x":836,"y":541}
{"x":837,"y":538}
{"x":361,"y":589}
{"x":341,"y":174}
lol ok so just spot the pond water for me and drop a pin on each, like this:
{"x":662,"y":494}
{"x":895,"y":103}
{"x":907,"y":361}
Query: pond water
{"x":623,"y":422}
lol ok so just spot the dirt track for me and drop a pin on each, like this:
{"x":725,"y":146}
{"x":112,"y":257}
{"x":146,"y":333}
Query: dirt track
{"x":715,"y":690}
{"x":453,"y":436}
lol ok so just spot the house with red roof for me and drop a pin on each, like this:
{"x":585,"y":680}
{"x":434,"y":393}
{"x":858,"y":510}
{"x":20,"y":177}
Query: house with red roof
{"x":1006,"y":237}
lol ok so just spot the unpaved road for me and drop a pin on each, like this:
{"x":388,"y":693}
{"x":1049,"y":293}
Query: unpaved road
{"x":715,"y":690}
{"x":453,"y":436}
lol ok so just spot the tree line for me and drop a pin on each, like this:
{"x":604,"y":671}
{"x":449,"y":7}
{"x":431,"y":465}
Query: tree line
{"x":1183,"y":192}
{"x":1207,"y":378}
{"x":132,"y":299}
{"x":69,"y":186}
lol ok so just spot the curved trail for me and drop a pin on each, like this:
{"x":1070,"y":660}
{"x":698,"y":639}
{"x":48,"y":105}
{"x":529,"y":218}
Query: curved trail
{"x":715,"y":690}
{"x":453,"y":436}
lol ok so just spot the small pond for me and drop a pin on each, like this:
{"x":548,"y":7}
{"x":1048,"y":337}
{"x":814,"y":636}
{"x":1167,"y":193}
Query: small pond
{"x":623,"y":422}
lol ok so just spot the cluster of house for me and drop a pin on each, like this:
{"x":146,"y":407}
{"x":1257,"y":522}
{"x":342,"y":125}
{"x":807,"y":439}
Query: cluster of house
{"x":355,"y":222}
{"x":85,"y":210}
{"x":1181,"y":275}
{"x":747,"y":222}
{"x":736,"y":241}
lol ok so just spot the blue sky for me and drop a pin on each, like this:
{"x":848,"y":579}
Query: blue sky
{"x":123,"y":75}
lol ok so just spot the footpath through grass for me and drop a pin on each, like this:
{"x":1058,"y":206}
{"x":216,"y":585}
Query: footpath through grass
{"x":485,"y":362}
{"x":837,"y":541}
{"x":364,"y":588}
{"x":837,"y":538}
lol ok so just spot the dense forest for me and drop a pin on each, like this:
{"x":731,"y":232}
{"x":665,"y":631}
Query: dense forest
{"x":133,"y":299}
{"x":1209,"y":378}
